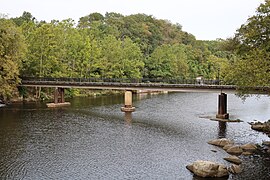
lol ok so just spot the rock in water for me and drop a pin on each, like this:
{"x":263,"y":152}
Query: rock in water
{"x":220,"y":142}
{"x":208,"y":169}
{"x":249,"y":147}
{"x":235,"y":150}
{"x":235,"y":169}
{"x":227,"y":146}
{"x":266,"y":143}
{"x":2,"y":105}
{"x":233,"y":159}
{"x":259,"y":126}
{"x":246,"y":153}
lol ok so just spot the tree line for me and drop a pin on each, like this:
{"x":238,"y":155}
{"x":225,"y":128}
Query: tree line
{"x":133,"y":46}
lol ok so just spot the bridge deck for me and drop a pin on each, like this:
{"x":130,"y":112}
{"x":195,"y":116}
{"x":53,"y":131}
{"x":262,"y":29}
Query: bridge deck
{"x":130,"y":86}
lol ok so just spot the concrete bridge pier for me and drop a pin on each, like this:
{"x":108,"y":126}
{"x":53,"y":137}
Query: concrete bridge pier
{"x":59,"y":95}
{"x":59,"y":98}
{"x":128,"y":102}
{"x":222,"y":107}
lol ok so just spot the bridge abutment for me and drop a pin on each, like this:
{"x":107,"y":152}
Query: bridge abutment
{"x":222,"y":106}
{"x":128,"y":102}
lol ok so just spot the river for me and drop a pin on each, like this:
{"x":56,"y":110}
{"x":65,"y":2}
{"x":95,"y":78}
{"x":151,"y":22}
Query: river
{"x":93,"y":139}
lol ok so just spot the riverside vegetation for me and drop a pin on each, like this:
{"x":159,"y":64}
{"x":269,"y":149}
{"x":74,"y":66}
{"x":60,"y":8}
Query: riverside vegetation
{"x":134,"y":46}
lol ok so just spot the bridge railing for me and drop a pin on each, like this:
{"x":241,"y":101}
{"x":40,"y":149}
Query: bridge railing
{"x":124,"y":80}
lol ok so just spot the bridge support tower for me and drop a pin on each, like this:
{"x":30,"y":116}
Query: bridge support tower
{"x":128,"y":102}
{"x":222,"y":106}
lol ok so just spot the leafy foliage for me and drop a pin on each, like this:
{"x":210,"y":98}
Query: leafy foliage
{"x":252,"y":46}
{"x":255,"y":33}
{"x":12,"y":49}
{"x":111,"y":46}
{"x":168,"y":62}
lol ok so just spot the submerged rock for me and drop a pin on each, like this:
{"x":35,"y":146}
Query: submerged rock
{"x":233,"y":159}
{"x":220,"y":142}
{"x":208,"y":169}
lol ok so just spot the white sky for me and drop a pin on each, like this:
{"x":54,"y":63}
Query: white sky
{"x":206,"y":19}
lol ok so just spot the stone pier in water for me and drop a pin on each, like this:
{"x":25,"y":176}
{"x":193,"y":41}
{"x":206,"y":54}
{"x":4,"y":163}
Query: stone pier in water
{"x":128,"y":102}
{"x":222,"y":107}
{"x":59,"y":98}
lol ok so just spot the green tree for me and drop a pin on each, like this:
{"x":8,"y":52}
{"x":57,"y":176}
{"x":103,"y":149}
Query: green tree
{"x":168,"y":62}
{"x":52,"y":49}
{"x":251,"y":70}
{"x":12,"y":51}
{"x":120,"y":59}
{"x":86,"y":21}
{"x":25,"y":17}
{"x":255,"y":33}
{"x":252,"y":45}
{"x":131,"y":59}
{"x":41,"y":59}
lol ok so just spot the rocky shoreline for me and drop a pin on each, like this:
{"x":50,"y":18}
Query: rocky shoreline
{"x":203,"y":168}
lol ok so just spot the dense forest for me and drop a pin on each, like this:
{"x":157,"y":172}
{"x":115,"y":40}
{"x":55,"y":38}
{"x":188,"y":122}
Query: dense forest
{"x":133,"y":46}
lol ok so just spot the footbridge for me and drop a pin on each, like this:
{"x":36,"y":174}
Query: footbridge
{"x":130,"y":85}
{"x":170,"y":85}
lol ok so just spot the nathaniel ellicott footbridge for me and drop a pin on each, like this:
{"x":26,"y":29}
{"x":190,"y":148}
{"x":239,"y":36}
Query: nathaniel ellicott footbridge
{"x":130,"y":85}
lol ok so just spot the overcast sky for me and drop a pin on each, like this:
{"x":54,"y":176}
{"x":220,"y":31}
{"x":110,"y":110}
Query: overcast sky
{"x":206,"y":19}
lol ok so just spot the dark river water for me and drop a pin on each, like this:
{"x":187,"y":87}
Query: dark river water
{"x":93,"y":139}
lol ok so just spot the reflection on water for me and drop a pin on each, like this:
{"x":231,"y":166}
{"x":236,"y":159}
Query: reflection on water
{"x":222,"y":129}
{"x":128,"y":118}
{"x":93,"y":139}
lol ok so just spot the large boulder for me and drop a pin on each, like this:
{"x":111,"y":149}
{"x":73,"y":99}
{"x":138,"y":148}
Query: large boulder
{"x":233,"y":159}
{"x":249,"y":147}
{"x":208,"y":169}
{"x":220,"y":142}
{"x":235,"y":150}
